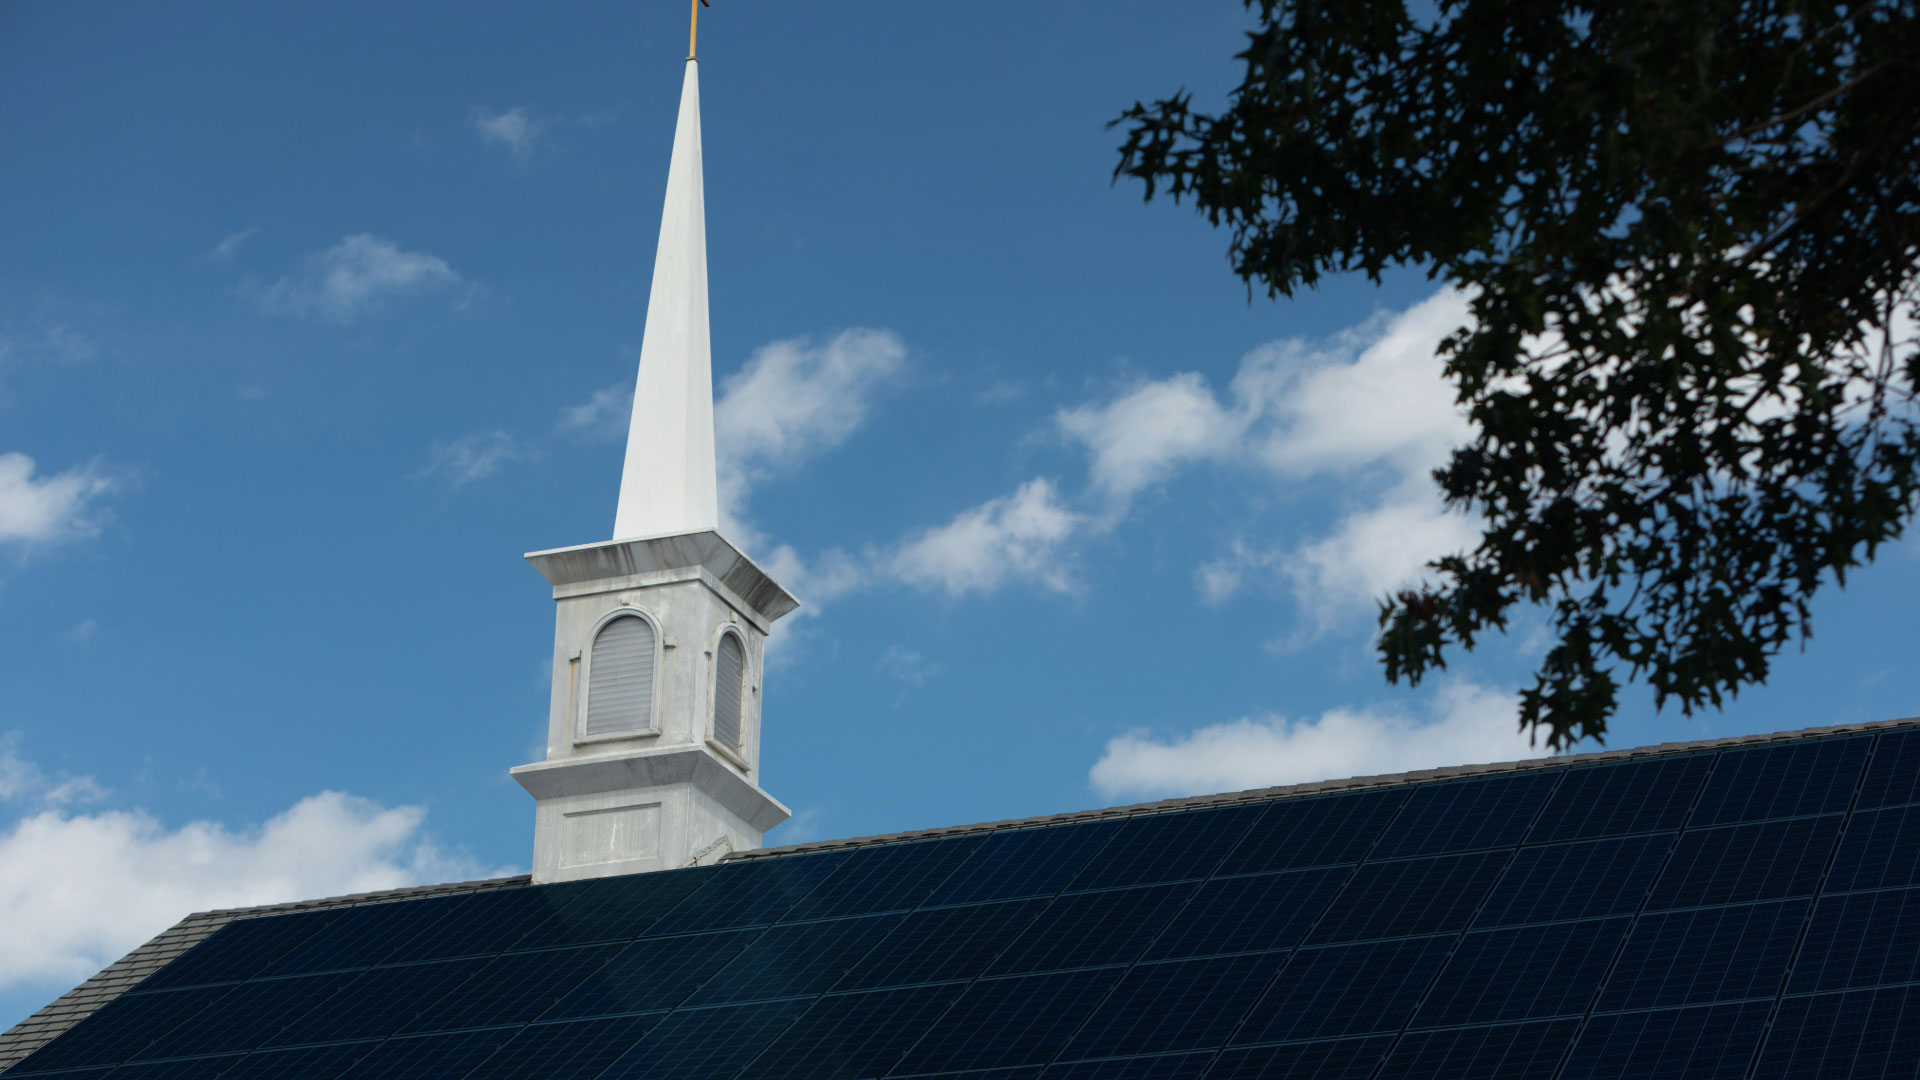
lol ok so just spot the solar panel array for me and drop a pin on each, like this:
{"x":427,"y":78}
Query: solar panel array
{"x":1740,"y":913}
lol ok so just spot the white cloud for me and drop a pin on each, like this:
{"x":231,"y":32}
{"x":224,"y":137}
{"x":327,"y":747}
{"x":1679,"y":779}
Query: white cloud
{"x":22,"y":781}
{"x":1015,"y":538}
{"x":229,"y":245}
{"x":1140,"y":437}
{"x":356,"y":276}
{"x":603,"y":417}
{"x":82,"y":889}
{"x":1373,"y":551}
{"x":907,"y":665}
{"x":470,"y":457}
{"x":793,"y":401}
{"x":513,"y":128}
{"x":50,"y":509}
{"x":1469,"y":723}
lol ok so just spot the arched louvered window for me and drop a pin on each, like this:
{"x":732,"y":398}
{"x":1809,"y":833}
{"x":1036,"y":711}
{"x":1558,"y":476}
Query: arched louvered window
{"x":729,"y":686}
{"x":620,"y":678}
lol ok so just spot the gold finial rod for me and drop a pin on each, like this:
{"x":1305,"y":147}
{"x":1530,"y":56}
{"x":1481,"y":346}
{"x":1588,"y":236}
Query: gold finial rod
{"x":693,"y":30}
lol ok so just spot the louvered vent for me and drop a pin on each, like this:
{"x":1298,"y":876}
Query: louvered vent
{"x":620,"y":679}
{"x":730,"y":671}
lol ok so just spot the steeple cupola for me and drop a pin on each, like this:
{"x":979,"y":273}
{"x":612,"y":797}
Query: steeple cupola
{"x":653,"y":734}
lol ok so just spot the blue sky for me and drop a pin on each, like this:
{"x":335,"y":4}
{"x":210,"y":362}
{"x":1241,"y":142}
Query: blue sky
{"x":313,"y":320}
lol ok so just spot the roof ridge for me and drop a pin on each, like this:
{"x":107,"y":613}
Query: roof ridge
{"x":1321,"y":787}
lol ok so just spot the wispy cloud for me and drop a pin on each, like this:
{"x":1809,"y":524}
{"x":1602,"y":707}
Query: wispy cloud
{"x":229,"y":246}
{"x":603,"y":417}
{"x":355,"y":277}
{"x":515,"y":128}
{"x":461,"y":461}
{"x":792,"y":401}
{"x":39,"y":510}
{"x":1462,"y":723}
{"x":1017,"y":538}
{"x":907,"y":665}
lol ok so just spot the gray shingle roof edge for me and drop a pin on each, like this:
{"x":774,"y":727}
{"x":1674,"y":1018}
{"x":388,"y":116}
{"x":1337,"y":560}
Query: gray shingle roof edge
{"x":1321,"y":787}
{"x":123,"y":974}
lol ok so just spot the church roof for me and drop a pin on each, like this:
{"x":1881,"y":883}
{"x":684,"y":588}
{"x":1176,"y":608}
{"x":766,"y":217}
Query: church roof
{"x":1742,"y":907}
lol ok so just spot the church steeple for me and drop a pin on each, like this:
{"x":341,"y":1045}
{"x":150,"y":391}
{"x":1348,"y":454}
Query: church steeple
{"x":653,"y":731}
{"x":668,"y":485}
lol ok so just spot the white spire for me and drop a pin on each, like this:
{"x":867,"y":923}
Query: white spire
{"x":668,"y":485}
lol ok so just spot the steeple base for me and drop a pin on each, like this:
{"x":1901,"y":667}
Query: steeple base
{"x":628,"y":813}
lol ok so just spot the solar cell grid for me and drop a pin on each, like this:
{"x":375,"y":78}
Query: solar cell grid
{"x":512,"y":989}
{"x":795,"y":958}
{"x":615,"y":908}
{"x":849,"y":1036}
{"x":305,"y":1063}
{"x":1024,"y":862}
{"x":998,"y":1023}
{"x":1411,"y":896}
{"x":705,"y":1044}
{"x":1770,"y":861}
{"x":1467,"y":815}
{"x":378,"y":1001}
{"x":1256,"y":912}
{"x":1794,"y":779}
{"x":1881,"y":850}
{"x":1613,"y":800}
{"x":750,"y":893}
{"x":1860,"y":939}
{"x":200,"y":1068}
{"x":939,"y":944}
{"x":1169,"y":847}
{"x":1158,"y":1067}
{"x":1324,"y":831}
{"x":363,"y":936}
{"x":1092,"y":929}
{"x":1336,"y":1059}
{"x":1027,"y":1072}
{"x":428,"y":1057}
{"x":1861,"y":1033}
{"x":570,"y":1050}
{"x":1893,"y":776}
{"x":1516,"y":1051}
{"x":1178,"y":1005}
{"x":487,"y":923}
{"x":239,"y":950}
{"x":652,"y":973}
{"x":244,"y":1019}
{"x":1585,"y":880}
{"x":122,"y":1028}
{"x":1705,"y":954}
{"x":1713,"y":1042}
{"x":1523,"y":973}
{"x":1341,"y":990}
{"x":887,"y":878}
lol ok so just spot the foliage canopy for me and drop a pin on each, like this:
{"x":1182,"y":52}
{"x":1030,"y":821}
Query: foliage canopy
{"x":1688,"y":230}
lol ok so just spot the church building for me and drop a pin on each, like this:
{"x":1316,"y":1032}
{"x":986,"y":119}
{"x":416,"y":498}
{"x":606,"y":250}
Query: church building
{"x":1744,"y":908}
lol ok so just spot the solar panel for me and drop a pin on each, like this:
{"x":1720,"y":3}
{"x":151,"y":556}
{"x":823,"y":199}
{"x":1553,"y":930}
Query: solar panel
{"x":793,"y":959}
{"x":1467,"y":815}
{"x":847,"y":1036}
{"x":1523,"y":973}
{"x":1176,"y":1005}
{"x":1090,"y":929}
{"x":1024,"y":862}
{"x":1411,"y":896}
{"x":1860,"y":1033}
{"x":1714,"y":1042}
{"x":1297,"y":833}
{"x":1706,"y":954}
{"x":1645,"y":918}
{"x":1792,"y":780}
{"x":1860,"y":939}
{"x":1584,"y":880}
{"x":1519,"y":1051}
